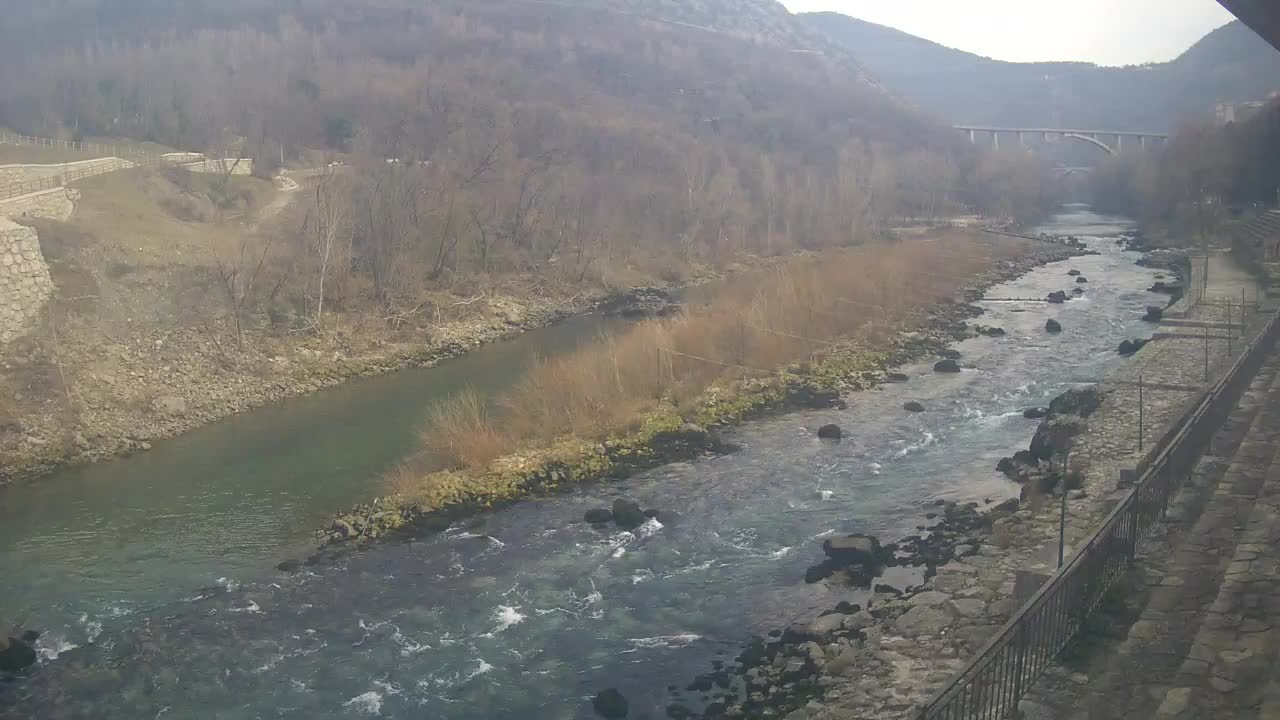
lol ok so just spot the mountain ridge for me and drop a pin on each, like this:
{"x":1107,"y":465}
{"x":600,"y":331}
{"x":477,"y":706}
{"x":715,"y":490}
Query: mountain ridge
{"x":1230,"y":63}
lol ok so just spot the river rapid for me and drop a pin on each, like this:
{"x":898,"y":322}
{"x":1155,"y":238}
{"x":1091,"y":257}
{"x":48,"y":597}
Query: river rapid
{"x":528,"y":612}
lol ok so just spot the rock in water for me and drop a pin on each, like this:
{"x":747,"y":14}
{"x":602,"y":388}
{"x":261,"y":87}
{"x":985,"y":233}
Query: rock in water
{"x":896,"y":377}
{"x":1154,"y":314}
{"x":1057,"y":297}
{"x":1052,"y":326}
{"x":1073,"y":272}
{"x":861,"y":549}
{"x":1129,"y":347}
{"x":1054,"y":436}
{"x":1077,"y":401}
{"x":1077,"y":291}
{"x":1035,"y":413}
{"x":913,"y":406}
{"x":1082,"y":279}
{"x":598,"y":515}
{"x":830,"y":432}
{"x":17,"y":656}
{"x":289,"y":566}
{"x":627,"y":514}
{"x":950,"y":354}
{"x":610,"y":704}
{"x":946,"y":366}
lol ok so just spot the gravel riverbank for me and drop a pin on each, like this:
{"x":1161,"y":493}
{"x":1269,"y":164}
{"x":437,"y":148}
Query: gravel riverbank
{"x":887,"y":659}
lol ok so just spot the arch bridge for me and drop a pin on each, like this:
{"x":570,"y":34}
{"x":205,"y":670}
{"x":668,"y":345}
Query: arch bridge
{"x":1099,"y":138}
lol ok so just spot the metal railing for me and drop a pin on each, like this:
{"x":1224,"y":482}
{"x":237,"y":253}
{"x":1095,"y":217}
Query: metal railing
{"x":112,"y":157}
{"x":72,"y":173}
{"x":991,"y":684}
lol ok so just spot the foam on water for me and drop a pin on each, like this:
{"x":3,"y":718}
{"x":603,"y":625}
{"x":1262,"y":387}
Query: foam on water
{"x":251,"y":609}
{"x":664,"y":641}
{"x":50,"y":646}
{"x":369,"y":703}
{"x":925,"y":441}
{"x":506,"y":617}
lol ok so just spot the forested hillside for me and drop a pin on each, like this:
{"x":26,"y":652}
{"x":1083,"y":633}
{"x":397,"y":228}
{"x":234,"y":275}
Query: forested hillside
{"x":526,"y":132}
{"x":1230,"y":63}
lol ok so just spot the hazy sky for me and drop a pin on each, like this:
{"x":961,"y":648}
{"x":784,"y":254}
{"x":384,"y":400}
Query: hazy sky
{"x":1107,"y":32}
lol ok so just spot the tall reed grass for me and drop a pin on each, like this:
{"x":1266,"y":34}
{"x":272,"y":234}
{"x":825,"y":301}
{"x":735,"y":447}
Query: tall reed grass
{"x":752,"y":326}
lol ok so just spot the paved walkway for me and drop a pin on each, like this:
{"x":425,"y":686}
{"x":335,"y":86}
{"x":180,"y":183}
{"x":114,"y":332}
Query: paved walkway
{"x":1199,"y":632}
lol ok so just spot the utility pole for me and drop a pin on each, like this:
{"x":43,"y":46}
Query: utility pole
{"x":1062,"y":511}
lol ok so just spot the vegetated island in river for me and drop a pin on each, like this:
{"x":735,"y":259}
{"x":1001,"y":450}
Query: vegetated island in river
{"x":794,"y":336}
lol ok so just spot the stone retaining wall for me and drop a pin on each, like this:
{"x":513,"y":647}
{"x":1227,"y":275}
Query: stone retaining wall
{"x":33,"y":173}
{"x":25,"y":285}
{"x":55,"y":204}
{"x":234,"y":166}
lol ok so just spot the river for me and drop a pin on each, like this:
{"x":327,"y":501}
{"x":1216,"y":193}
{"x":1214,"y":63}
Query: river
{"x":526,"y":612}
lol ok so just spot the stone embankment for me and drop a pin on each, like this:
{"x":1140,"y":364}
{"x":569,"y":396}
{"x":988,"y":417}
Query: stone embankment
{"x":886,"y":660}
{"x":52,"y":204}
{"x":25,"y":284}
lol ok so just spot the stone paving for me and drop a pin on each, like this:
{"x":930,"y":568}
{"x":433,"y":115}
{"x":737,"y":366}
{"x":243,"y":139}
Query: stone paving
{"x":1191,"y":637}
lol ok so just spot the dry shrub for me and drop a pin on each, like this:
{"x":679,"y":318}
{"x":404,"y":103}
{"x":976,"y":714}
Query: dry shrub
{"x":752,"y":327}
{"x":460,"y":431}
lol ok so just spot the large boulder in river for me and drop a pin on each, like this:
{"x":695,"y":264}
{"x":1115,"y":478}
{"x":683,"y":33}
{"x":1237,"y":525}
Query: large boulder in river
{"x":16,"y":654}
{"x":1129,"y":347}
{"x":946,"y":366}
{"x":1155,"y":313}
{"x":1082,"y":401}
{"x":610,"y":703}
{"x":1082,"y":279}
{"x":1052,"y":326}
{"x":830,"y":432}
{"x":598,"y":515}
{"x":1073,"y":272}
{"x":896,"y":377}
{"x":1055,"y":436}
{"x":627,"y":514}
{"x":1057,"y":297}
{"x":856,"y":550}
{"x":913,"y":406}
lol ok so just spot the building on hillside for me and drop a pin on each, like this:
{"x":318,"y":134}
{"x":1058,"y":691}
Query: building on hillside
{"x":1234,"y":112}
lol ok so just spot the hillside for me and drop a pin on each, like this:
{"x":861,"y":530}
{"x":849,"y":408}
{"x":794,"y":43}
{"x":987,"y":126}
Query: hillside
{"x":1230,"y":63}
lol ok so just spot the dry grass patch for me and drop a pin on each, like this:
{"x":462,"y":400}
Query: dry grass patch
{"x":753,"y":327}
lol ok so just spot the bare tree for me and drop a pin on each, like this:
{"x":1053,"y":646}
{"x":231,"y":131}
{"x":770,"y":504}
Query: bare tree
{"x":327,"y":228}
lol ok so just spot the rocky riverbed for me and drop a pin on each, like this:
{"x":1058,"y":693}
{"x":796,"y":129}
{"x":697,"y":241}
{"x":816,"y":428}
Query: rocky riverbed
{"x":886,"y":659}
{"x":666,"y":436}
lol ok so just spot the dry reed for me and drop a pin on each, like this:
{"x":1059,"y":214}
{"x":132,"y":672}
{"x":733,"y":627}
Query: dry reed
{"x":753,"y":326}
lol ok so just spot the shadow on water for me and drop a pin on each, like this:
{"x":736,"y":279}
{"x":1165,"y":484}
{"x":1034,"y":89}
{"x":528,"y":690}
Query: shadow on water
{"x":528,"y":612}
